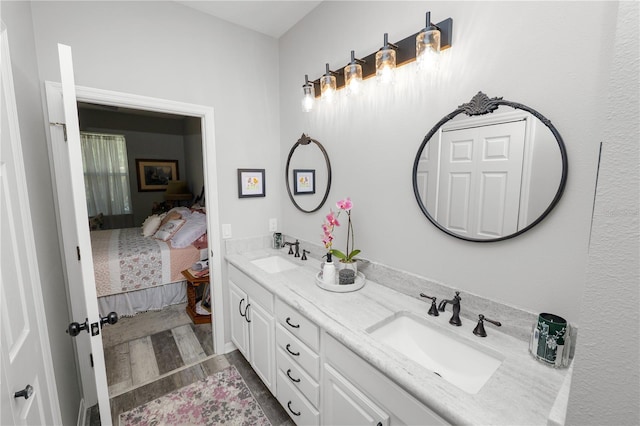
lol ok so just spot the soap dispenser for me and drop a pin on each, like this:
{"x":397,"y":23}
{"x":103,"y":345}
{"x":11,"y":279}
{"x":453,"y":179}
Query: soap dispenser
{"x":329,"y":271}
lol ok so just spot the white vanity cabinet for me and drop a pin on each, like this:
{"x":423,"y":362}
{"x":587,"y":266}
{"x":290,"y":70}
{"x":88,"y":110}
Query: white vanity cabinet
{"x":298,"y":365}
{"x":354,"y":392}
{"x":253,"y":324}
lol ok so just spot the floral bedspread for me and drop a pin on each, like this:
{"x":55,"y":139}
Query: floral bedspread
{"x":124,"y":260}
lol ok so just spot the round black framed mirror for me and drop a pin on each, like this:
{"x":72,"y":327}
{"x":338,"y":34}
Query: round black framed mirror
{"x":490,"y":170}
{"x":308,"y":175}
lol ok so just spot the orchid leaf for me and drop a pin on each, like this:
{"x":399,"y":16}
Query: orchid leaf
{"x":338,"y":254}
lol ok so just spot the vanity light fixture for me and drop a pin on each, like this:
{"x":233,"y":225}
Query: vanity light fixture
{"x":328,"y":85}
{"x":423,"y":47}
{"x":308,"y":94}
{"x":386,"y":62}
{"x":427,"y":46}
{"x":353,"y":75}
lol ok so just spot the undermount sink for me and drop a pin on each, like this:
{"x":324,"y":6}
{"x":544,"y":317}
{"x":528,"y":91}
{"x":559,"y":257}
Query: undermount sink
{"x":462,"y":364}
{"x":274,"y":264}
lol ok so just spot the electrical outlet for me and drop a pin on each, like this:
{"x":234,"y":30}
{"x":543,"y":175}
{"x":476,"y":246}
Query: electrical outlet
{"x":273,"y":224}
{"x":226,"y":231}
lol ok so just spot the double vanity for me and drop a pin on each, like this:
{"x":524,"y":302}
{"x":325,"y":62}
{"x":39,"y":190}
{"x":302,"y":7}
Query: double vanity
{"x":374,"y":356}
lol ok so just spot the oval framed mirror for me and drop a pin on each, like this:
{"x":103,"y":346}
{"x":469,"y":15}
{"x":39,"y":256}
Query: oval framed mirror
{"x":308,"y":174}
{"x":490,"y":170}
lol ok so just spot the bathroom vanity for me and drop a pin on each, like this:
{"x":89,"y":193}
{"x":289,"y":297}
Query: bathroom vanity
{"x":320,"y":355}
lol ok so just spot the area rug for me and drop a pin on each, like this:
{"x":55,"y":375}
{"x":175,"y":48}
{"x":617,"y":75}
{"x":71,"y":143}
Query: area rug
{"x":220,"y":399}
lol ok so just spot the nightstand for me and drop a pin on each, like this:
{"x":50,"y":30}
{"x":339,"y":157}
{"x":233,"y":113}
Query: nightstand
{"x":192,"y":284}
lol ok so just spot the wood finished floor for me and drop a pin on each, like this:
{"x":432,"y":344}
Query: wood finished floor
{"x":155,"y":353}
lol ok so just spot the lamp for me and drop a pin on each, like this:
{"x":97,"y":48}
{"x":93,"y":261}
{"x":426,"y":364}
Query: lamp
{"x":177,"y":190}
{"x":308,"y":94}
{"x":427,"y":45}
{"x":386,"y":61}
{"x":353,"y":75}
{"x":328,"y":85}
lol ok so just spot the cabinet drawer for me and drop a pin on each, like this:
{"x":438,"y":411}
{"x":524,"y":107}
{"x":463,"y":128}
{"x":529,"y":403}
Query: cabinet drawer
{"x":252,"y":288}
{"x":298,"y":377}
{"x":298,"y":408}
{"x":298,"y":325}
{"x":298,"y":352}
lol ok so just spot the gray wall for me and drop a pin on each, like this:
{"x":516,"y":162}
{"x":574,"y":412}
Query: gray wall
{"x":17,"y":17}
{"x":606,"y":378}
{"x":498,"y":48}
{"x":148,"y":138}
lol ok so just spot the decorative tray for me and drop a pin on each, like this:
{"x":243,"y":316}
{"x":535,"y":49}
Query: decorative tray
{"x":344,"y":288}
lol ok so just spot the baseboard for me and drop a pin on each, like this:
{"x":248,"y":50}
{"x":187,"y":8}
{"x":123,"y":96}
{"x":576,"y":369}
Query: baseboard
{"x":82,"y":414}
{"x":229,"y":347}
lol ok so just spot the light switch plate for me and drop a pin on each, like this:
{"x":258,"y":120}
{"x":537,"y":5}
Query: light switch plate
{"x":273,"y":224}
{"x":226,"y":231}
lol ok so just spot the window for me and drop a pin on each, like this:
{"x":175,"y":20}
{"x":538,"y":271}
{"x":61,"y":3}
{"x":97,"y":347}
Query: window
{"x":106,"y":174}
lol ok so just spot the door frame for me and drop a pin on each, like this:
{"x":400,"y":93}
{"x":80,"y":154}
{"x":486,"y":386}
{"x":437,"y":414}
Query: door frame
{"x":206,"y":115}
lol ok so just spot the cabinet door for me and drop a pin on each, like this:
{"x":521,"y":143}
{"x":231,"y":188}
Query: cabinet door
{"x":262,"y":343}
{"x":344,"y":404}
{"x":238,"y":302}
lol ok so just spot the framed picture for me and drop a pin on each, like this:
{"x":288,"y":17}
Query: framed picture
{"x":251,"y":183}
{"x":304,"y":181}
{"x":154,"y":175}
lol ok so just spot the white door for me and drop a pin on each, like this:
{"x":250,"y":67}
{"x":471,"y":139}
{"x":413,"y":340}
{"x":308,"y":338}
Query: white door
{"x":25,"y":356}
{"x":262,"y":343}
{"x":72,"y":208}
{"x":344,"y":404}
{"x":427,"y":174}
{"x":480,"y":179}
{"x":238,"y":301}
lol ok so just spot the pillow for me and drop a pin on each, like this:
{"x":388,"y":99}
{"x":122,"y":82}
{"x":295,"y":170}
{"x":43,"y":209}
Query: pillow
{"x":170,"y":216}
{"x":96,"y":222}
{"x":184,"y":212}
{"x":194,"y":227}
{"x":169,"y":229}
{"x":151,"y":225}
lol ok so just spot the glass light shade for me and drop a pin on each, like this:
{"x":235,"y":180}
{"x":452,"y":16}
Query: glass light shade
{"x":385,"y":65}
{"x":308,"y":97}
{"x":328,"y":87}
{"x":353,"y":78}
{"x":427,"y":48}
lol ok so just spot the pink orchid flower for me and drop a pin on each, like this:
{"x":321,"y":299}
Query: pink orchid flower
{"x":332,"y":219}
{"x":345,"y":204}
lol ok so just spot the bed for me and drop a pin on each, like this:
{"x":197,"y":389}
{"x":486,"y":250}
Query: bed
{"x":137,"y":271}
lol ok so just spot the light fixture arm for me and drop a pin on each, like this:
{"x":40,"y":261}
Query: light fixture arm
{"x":355,"y":60}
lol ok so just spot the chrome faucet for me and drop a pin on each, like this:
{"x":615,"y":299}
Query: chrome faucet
{"x":455,"y":307}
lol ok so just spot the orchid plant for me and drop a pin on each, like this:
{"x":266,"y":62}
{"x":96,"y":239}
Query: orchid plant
{"x":331,"y":222}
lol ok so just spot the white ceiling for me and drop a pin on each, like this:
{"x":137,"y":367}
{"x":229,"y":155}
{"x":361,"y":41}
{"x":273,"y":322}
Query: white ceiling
{"x":273,"y":18}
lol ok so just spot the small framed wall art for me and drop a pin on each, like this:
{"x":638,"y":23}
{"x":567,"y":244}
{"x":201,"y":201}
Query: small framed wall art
{"x":251,"y":183}
{"x":154,"y":175}
{"x":304,"y":181}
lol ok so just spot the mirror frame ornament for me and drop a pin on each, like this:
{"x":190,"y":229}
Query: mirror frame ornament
{"x":481,"y":104}
{"x":306,"y":140}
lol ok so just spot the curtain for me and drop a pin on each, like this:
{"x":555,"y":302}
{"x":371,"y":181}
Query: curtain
{"x":106,"y":174}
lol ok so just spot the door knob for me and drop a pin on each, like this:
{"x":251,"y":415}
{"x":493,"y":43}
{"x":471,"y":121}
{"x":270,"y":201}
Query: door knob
{"x":111,"y":318}
{"x":74,"y":328}
{"x":24,"y":393}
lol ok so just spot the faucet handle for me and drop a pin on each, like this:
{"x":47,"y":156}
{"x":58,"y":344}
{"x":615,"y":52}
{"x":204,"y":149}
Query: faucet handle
{"x":304,"y":254}
{"x":479,"y":330}
{"x":433,"y":310}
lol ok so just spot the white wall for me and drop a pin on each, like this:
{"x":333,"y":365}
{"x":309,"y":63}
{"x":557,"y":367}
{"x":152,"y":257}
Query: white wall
{"x":17,"y":17}
{"x":547,"y":55}
{"x":605,"y":387}
{"x":166,"y":50}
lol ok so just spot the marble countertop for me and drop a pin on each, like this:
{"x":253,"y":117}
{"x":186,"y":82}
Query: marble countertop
{"x":521,"y":392}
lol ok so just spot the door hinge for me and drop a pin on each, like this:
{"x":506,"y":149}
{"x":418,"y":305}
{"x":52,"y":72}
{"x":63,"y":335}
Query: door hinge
{"x":91,"y":359}
{"x":64,"y":129}
{"x":78,"y":250}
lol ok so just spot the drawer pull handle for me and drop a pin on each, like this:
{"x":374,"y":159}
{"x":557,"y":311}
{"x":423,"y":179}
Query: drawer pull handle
{"x":292,"y":412}
{"x":240,"y":307}
{"x":291,"y":325}
{"x":246,"y":313}
{"x":289,"y":350}
{"x":291,"y":378}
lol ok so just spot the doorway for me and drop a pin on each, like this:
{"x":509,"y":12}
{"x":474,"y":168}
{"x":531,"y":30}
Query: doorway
{"x":61,"y":177}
